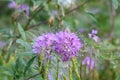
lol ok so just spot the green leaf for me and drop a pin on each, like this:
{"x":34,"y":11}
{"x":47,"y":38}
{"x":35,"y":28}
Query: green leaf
{"x":29,"y":64}
{"x":115,"y":3}
{"x":25,"y":44}
{"x":92,"y":16}
{"x":93,"y":19}
{"x":17,"y":63}
{"x":118,"y":77}
{"x":23,"y":54}
{"x":22,"y":32}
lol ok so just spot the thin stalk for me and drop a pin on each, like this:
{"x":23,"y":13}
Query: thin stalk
{"x":77,"y":7}
{"x":57,"y":70}
{"x":66,"y":13}
{"x":40,"y":8}
{"x":93,"y":76}
{"x":81,"y":70}
{"x":112,"y":14}
{"x":85,"y":73}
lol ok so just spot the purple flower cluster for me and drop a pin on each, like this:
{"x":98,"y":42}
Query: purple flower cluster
{"x":93,"y":35}
{"x":43,"y":42}
{"x":23,"y":7}
{"x":2,"y":44}
{"x":65,"y":44}
{"x":12,"y":5}
{"x":89,"y":62}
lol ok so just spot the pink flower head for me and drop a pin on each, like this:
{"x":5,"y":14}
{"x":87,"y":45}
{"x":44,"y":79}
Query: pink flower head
{"x":94,"y":31}
{"x":2,"y":44}
{"x":67,"y":45}
{"x":25,"y":7}
{"x":93,"y":35}
{"x":43,"y":42}
{"x":89,"y":62}
{"x":12,"y":4}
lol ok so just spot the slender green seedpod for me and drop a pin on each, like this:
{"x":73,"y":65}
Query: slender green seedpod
{"x":46,"y":70}
{"x":64,"y":77}
{"x":74,"y":61}
{"x":70,"y":72}
{"x":41,"y":59}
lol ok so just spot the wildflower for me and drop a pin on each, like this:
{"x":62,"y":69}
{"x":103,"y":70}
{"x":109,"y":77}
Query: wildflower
{"x":93,"y":35}
{"x":12,"y":4}
{"x":22,"y":7}
{"x":25,"y":7}
{"x":67,"y":45}
{"x":81,"y":30}
{"x":50,"y":76}
{"x":43,"y":42}
{"x":2,"y":44}
{"x":89,"y":62}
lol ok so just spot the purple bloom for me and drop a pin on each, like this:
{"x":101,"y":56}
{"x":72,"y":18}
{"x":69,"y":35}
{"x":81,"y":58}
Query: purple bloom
{"x":93,"y":35}
{"x":50,"y":76}
{"x":59,"y":75}
{"x":94,"y":31}
{"x":67,"y":45}
{"x":96,"y":38}
{"x":12,"y":4}
{"x":89,"y":62}
{"x":25,"y":8}
{"x":22,"y":7}
{"x":2,"y":44}
{"x":81,"y":30}
{"x":43,"y":42}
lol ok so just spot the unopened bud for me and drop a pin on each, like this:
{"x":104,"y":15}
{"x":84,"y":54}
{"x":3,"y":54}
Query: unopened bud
{"x":51,"y":20}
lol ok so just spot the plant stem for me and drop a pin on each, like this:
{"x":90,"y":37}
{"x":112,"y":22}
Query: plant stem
{"x":112,"y":18}
{"x":57,"y":70}
{"x":85,"y":72}
{"x":38,"y":10}
{"x":44,"y":22}
{"x":77,"y":7}
{"x":81,"y":69}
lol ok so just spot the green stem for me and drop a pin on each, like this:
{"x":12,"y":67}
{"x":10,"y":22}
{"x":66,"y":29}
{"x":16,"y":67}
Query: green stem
{"x":81,"y":69}
{"x":85,"y":72}
{"x":93,"y":75}
{"x":39,"y":9}
{"x":57,"y":69}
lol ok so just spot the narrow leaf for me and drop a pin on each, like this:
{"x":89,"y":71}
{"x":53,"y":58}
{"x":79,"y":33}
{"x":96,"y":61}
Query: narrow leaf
{"x":29,"y":64}
{"x":22,"y":32}
{"x":115,"y":3}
